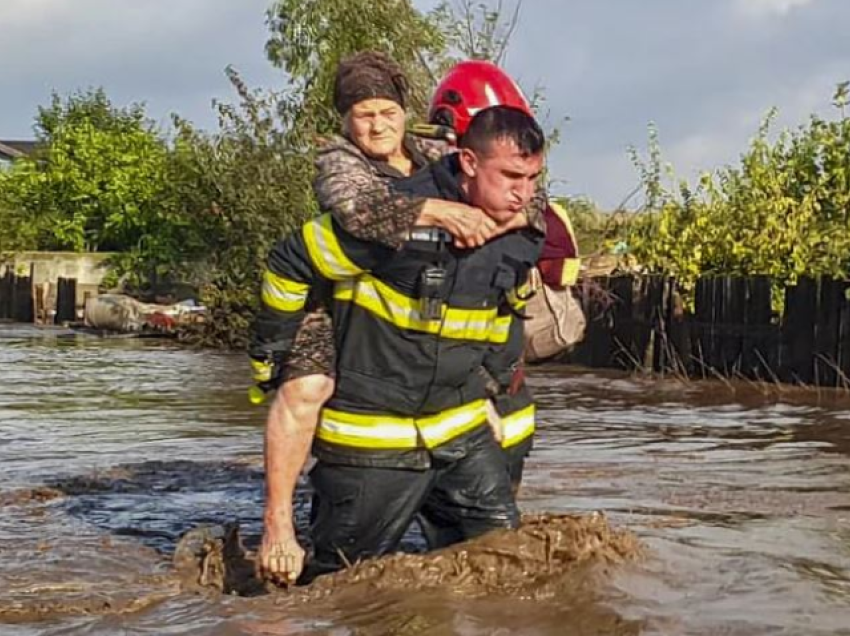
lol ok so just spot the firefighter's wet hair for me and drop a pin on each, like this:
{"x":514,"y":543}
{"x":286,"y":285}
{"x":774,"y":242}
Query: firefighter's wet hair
{"x":503,"y":123}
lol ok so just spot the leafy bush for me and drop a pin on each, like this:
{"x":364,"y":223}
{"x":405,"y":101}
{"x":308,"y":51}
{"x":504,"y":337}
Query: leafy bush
{"x":235,"y":193}
{"x":95,"y":183}
{"x":784,"y":212}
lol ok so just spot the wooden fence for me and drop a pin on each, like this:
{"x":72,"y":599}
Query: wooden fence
{"x":639,"y":322}
{"x":21,"y":301}
{"x":16,"y":299}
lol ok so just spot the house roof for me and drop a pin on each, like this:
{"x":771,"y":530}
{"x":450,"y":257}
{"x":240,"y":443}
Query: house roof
{"x":17,"y":148}
{"x":7,"y":152}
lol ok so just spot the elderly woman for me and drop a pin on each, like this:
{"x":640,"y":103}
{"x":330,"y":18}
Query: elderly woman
{"x":354,"y":176}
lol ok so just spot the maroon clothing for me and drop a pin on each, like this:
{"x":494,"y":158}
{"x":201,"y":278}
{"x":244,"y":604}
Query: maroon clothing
{"x":559,"y":245}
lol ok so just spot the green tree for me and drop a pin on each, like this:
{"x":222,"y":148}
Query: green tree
{"x":16,"y":232}
{"x":94,"y":184}
{"x":235,"y":192}
{"x":308,"y":38}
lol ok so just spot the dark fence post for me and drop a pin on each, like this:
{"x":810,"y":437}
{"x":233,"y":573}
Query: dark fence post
{"x":708,"y":313}
{"x":798,"y":332}
{"x":697,"y":325}
{"x":642,"y":316}
{"x":656,"y":314}
{"x":22,"y":305}
{"x":718,"y":311}
{"x":7,"y":293}
{"x":827,"y":331}
{"x":760,"y":356}
{"x":622,"y":289}
{"x":844,"y":340}
{"x":599,"y":327}
{"x":678,"y":343}
{"x":66,"y":301}
{"x":734,"y":320}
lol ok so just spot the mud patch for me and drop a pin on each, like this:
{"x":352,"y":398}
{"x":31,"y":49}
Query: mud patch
{"x":526,"y":562}
{"x":26,"y":496}
{"x":49,"y":601}
{"x":549,"y":577}
{"x":213,"y":557}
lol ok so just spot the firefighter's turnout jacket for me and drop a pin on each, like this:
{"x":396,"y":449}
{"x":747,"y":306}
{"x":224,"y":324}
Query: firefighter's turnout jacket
{"x":413,"y":326}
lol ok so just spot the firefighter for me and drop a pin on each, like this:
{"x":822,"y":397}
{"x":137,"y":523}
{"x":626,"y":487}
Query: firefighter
{"x":405,"y":431}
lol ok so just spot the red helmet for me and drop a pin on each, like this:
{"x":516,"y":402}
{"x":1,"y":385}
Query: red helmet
{"x":472,"y":86}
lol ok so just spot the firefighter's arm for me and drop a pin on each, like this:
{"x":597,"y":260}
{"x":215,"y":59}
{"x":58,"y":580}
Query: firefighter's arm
{"x":290,"y":426}
{"x":503,"y":360}
{"x":502,"y":372}
{"x":321,"y":253}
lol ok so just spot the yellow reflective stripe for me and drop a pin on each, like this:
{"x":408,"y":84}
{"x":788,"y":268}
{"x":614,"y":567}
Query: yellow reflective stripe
{"x":404,"y":312}
{"x":569,"y":274}
{"x":262,"y":371}
{"x":380,"y":431}
{"x":325,"y":251}
{"x":518,"y":426}
{"x":392,"y":306}
{"x":562,"y":214}
{"x":469,"y":324}
{"x":283,"y":294}
{"x":501,"y":329}
{"x":344,"y":289}
{"x":378,"y":434}
{"x":438,"y":429}
{"x":570,"y":271}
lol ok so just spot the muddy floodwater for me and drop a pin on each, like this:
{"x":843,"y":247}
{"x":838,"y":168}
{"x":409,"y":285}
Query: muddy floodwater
{"x":110,"y":450}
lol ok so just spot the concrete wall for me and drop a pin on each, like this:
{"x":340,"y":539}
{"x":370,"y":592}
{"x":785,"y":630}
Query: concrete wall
{"x":88,"y":269}
{"x":48,"y":267}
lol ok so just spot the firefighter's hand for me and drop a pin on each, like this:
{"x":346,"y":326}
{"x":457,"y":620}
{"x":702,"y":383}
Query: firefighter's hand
{"x":281,"y":558}
{"x":470,"y":226}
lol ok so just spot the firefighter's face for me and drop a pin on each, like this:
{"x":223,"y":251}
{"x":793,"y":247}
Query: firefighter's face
{"x":377,"y":127}
{"x":502,"y":180}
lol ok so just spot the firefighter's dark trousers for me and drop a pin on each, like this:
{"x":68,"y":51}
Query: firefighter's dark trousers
{"x":363,"y":512}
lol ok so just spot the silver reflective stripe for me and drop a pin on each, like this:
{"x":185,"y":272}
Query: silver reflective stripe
{"x":438,"y":432}
{"x":518,"y":425}
{"x":406,"y":432}
{"x":276,"y":295}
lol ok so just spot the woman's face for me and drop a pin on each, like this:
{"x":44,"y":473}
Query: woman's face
{"x":377,"y":127}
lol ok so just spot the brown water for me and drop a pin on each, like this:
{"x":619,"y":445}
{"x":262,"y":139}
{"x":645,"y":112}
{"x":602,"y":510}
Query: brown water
{"x":111,"y":449}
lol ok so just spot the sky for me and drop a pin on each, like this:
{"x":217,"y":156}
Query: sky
{"x":705,"y":72}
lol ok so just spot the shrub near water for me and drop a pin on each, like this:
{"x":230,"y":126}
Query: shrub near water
{"x":94,"y":183}
{"x":784,"y":212}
